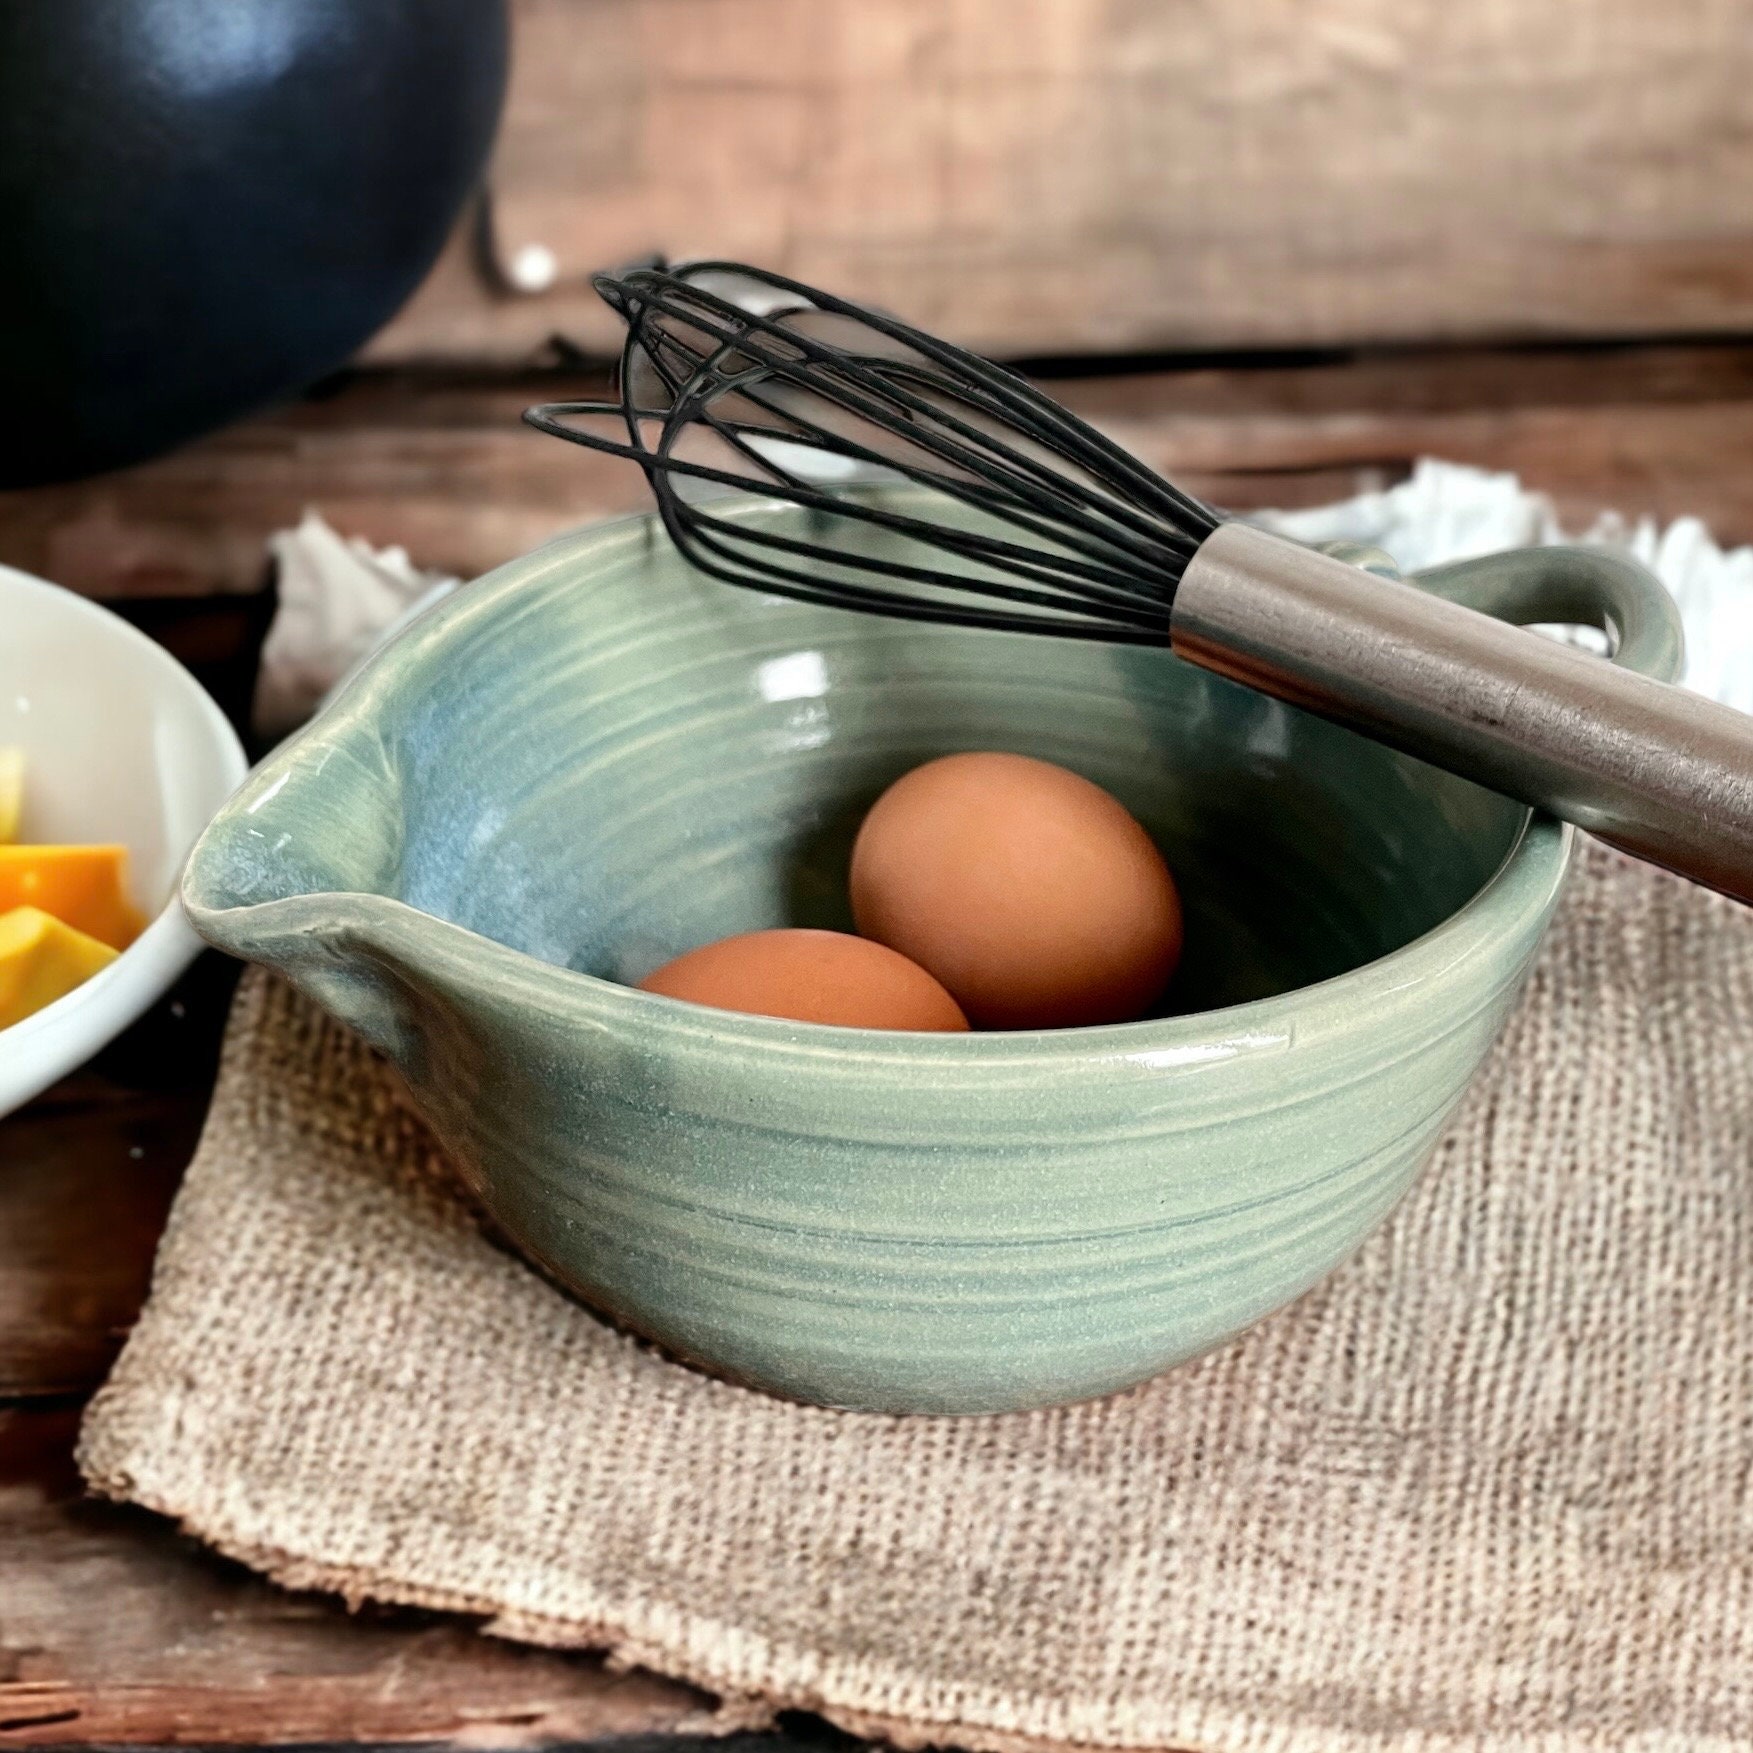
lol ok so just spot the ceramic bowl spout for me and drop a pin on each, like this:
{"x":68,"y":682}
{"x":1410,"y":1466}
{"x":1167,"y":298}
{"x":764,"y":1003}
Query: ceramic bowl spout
{"x":308,"y":889}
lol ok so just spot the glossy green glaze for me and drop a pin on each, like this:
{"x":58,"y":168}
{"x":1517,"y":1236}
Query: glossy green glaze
{"x":595,"y":759}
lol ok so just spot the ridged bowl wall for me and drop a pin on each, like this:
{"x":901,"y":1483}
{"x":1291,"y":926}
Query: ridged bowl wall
{"x":595,"y":759}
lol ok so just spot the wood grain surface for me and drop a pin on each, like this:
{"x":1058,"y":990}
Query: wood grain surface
{"x":88,"y":1177}
{"x":439,"y":463}
{"x":114,"y":1628}
{"x":1109,"y":175}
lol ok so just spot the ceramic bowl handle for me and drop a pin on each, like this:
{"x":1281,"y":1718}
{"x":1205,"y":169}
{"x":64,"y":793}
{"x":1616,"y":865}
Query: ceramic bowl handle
{"x":1614,"y":747}
{"x":1581,"y":587}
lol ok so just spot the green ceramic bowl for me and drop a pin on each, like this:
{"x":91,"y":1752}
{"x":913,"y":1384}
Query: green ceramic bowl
{"x":595,"y":759}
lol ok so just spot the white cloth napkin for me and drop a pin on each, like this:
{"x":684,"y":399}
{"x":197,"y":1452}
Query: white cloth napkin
{"x":339,"y":599}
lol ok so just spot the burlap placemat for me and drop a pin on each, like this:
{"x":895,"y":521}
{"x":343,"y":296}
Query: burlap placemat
{"x":1490,"y":1486}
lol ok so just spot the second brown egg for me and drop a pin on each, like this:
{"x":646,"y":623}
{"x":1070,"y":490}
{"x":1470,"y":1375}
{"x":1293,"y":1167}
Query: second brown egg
{"x":812,"y":977}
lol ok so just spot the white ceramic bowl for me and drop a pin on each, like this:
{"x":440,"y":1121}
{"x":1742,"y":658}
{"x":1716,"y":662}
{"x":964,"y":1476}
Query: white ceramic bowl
{"x":121,"y":744}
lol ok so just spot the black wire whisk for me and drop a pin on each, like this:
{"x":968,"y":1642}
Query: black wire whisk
{"x":739,"y":385}
{"x":1081,"y":537}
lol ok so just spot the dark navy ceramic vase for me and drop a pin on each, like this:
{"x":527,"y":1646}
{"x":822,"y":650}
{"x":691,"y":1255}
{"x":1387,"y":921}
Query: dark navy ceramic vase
{"x":208,"y":204}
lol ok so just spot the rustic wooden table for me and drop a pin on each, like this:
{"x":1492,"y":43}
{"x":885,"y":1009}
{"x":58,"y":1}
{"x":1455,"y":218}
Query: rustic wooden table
{"x":1068,"y":178}
{"x":113,"y":1627}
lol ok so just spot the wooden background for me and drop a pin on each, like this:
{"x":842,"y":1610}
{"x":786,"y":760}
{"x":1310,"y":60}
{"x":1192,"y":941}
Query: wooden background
{"x":1282,"y":248}
{"x":1342,"y":233}
{"x":1110,"y":176}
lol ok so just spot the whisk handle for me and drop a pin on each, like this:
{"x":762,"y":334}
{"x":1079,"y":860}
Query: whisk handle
{"x":1664,"y":774}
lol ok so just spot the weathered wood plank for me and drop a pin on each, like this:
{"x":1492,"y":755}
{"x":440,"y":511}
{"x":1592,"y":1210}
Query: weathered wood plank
{"x":1086,"y":175}
{"x":445,"y":470}
{"x":440,"y":464}
{"x":87,"y":1173}
{"x":116,"y":1630}
{"x":113,"y":1628}
{"x":83,"y":1197}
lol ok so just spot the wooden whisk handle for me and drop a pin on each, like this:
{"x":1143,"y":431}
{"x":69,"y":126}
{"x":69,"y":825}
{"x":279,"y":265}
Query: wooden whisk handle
{"x":1662,"y":773}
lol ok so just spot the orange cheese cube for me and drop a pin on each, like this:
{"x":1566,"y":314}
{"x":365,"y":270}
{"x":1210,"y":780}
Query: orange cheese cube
{"x":82,"y":886}
{"x":42,"y":960}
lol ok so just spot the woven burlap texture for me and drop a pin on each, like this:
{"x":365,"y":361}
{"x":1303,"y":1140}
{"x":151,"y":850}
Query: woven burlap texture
{"x":1489,"y":1486}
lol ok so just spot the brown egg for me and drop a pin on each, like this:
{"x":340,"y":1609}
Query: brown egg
{"x":1029,"y":892}
{"x":814,"y":976}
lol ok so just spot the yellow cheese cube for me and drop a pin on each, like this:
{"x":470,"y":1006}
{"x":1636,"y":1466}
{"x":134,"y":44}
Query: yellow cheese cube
{"x":11,"y":792}
{"x":83,"y":886}
{"x":41,"y":960}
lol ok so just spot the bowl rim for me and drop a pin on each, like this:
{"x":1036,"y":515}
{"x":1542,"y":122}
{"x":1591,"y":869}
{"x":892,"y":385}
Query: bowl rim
{"x":151,"y":964}
{"x":1509,"y":909}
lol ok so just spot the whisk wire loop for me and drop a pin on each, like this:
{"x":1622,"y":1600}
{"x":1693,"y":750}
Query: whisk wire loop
{"x":1074,"y":536}
{"x":881,"y":401}
{"x":1012,"y":393}
{"x":1076,"y":583}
